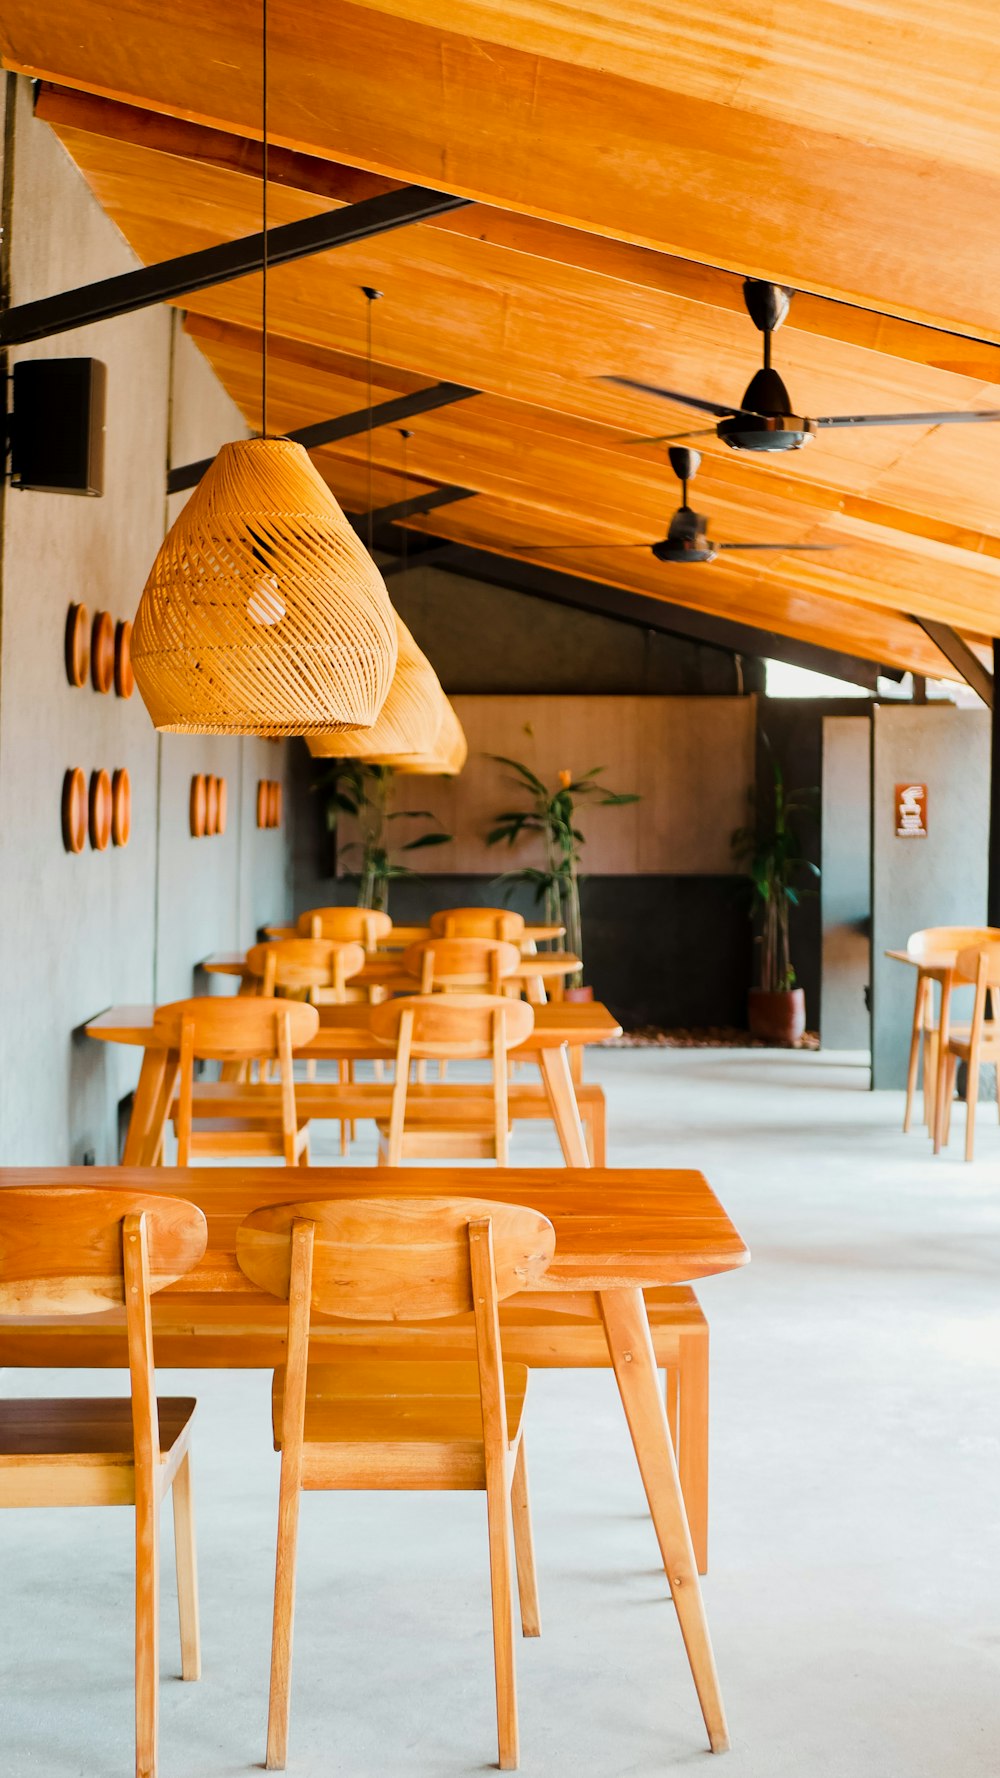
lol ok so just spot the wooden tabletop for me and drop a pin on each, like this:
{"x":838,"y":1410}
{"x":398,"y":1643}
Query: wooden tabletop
{"x":345,"y":1031}
{"x":615,"y":1228}
{"x":931,"y":962}
{"x":401,"y":936}
{"x":384,"y":969}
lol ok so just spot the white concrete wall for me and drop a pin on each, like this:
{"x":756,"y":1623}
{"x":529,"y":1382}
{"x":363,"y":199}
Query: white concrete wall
{"x":78,"y":933}
{"x":937,"y":881}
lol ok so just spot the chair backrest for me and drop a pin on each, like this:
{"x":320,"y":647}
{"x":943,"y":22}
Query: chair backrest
{"x":389,"y":1258}
{"x":935,"y":940}
{"x":478,"y":923}
{"x":386,"y":1259}
{"x":234,"y":1028}
{"x":68,"y":1250}
{"x":305,"y":964}
{"x":363,"y":924}
{"x":460,"y":963}
{"x":62,"y":1253}
{"x":980,"y":963}
{"x":464,"y":1026}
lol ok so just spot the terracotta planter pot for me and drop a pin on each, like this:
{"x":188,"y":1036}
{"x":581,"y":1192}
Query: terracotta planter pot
{"x":779,"y":1016}
{"x":578,"y":995}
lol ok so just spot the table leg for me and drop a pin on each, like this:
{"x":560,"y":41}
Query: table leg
{"x":554,"y":1064}
{"x":144,"y":1103}
{"x":151,"y":1153}
{"x":630,"y":1346}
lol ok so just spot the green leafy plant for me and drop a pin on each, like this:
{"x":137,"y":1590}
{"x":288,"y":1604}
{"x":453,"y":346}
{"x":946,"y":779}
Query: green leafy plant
{"x":771,"y":856}
{"x":362,"y":792}
{"x":551,"y":814}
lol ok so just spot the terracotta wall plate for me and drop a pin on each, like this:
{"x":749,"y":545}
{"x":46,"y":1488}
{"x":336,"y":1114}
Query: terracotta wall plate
{"x":220,"y":823}
{"x":124,"y":676}
{"x":74,"y":810}
{"x":211,"y":804}
{"x":102,"y":652}
{"x":262,"y":802}
{"x":100,"y":810}
{"x":121,"y":807}
{"x":198,"y":806}
{"x":77,"y":644}
{"x":274,"y":805}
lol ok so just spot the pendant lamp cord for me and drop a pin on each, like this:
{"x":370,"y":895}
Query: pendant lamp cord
{"x":405,"y":436}
{"x":263,"y":296}
{"x":371,"y":296}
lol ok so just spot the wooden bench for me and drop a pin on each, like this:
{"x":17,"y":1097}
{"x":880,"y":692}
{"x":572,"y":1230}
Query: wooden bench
{"x":467,"y":1104}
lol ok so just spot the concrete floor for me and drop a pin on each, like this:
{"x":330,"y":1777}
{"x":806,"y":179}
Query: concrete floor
{"x":853,"y":1593}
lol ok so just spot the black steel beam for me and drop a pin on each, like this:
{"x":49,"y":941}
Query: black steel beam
{"x":958,"y":652}
{"x":417,"y":556}
{"x":175,"y":278}
{"x":414,"y":507}
{"x":644,"y":610}
{"x":324,"y":432}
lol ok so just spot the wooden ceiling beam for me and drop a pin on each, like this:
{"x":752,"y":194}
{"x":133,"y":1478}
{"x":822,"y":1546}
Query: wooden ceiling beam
{"x":640,"y":267}
{"x":741,"y":480}
{"x":874,"y":183}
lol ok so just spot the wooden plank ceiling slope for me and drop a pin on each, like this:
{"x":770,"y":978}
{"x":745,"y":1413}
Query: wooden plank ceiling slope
{"x":628,"y":163}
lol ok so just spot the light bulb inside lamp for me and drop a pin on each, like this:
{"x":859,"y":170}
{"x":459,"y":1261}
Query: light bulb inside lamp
{"x":265,"y":604}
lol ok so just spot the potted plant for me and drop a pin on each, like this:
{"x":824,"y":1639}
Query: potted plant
{"x":552,"y":815}
{"x":771,"y":856}
{"x":364,"y":793}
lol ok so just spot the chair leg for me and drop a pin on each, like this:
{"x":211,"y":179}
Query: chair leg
{"x":498,"y":1521}
{"x":187,"y":1571}
{"x":911,"y":1069}
{"x":524,"y":1547}
{"x":948,"y":1089}
{"x":281,"y":1634}
{"x":971,"y":1101}
{"x":147,"y":1633}
{"x":691,"y":1443}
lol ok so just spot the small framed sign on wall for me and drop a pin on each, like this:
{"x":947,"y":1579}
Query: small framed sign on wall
{"x":911,"y":811}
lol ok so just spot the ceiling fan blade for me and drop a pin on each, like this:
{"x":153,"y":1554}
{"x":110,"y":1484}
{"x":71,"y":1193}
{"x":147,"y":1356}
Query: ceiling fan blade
{"x":707,"y":407}
{"x":948,"y":419}
{"x":593,"y":544}
{"x":671,"y":437}
{"x":783,"y":547}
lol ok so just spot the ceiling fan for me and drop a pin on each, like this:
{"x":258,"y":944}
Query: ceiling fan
{"x":687,"y":537}
{"x":763,"y":420}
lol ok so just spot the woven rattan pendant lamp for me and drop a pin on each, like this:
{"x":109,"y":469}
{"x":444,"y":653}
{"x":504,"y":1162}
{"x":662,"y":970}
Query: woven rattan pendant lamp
{"x":450,"y":752}
{"x":410,"y":719}
{"x":263,"y":612}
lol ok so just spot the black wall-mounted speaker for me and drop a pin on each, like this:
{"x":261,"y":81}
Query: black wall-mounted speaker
{"x":57,"y":427}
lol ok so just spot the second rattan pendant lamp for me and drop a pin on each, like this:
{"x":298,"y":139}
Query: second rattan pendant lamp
{"x":263,"y":612}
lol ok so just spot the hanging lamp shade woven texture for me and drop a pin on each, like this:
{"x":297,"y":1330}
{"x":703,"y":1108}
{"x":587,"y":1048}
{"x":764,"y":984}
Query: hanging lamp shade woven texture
{"x":451,"y":750}
{"x":410,"y":719}
{"x":263,"y":613}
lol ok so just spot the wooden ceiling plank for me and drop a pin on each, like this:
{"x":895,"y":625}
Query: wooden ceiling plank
{"x":641,"y":267}
{"x":677,"y":168}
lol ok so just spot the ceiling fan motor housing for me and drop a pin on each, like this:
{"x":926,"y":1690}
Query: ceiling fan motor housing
{"x":686,"y":540}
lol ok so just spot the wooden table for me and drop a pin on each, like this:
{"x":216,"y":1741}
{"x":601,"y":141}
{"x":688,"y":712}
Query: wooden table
{"x":617,"y":1232}
{"x":383,"y":971}
{"x":345,"y":1035}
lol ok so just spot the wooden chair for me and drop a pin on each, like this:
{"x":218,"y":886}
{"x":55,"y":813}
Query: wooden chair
{"x":317,"y":968}
{"x":461,"y":965}
{"x":362,"y":924}
{"x":70,"y":1251}
{"x":972,"y":1044}
{"x":478,"y":923}
{"x":405,"y":1425}
{"x":237,"y":1030}
{"x":932,"y":941}
{"x":466,"y":1027}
